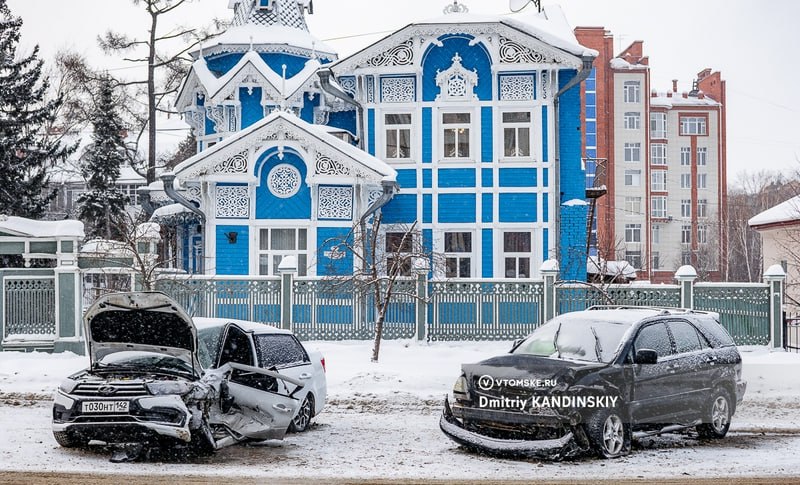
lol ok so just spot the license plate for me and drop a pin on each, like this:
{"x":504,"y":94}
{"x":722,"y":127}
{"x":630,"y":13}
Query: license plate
{"x":105,"y":406}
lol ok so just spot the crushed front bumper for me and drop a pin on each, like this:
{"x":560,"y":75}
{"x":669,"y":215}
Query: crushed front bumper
{"x":554,"y":449}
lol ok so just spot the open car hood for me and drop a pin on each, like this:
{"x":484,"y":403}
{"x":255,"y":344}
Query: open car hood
{"x":139,"y":321}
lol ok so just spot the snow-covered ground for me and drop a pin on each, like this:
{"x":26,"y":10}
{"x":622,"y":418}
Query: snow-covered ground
{"x":382,"y":422}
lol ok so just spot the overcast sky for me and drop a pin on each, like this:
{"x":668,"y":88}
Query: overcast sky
{"x":749,"y":42}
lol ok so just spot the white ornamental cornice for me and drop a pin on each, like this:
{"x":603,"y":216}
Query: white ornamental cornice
{"x":191,"y":88}
{"x":422,"y":35}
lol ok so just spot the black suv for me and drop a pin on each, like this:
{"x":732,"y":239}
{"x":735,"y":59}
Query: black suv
{"x":588,"y":380}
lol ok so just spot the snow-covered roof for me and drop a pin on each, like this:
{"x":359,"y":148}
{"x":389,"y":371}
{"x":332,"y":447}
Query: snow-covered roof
{"x":241,"y":37}
{"x":20,"y":226}
{"x":106,"y":247}
{"x":210,"y":155}
{"x":169,"y":210}
{"x":619,"y":63}
{"x":595,"y":265}
{"x":785,"y":212}
{"x":661,"y":100}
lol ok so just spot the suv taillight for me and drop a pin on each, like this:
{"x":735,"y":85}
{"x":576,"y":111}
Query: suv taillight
{"x":322,"y":361}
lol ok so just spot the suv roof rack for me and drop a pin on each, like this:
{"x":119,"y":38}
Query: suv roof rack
{"x":661,"y":309}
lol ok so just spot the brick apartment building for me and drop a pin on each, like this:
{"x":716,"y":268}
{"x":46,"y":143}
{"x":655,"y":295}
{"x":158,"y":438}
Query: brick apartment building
{"x":662,"y":157}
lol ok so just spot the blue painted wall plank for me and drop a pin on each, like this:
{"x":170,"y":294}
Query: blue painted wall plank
{"x":487,"y":134}
{"x":518,"y":177}
{"x":457,"y":208}
{"x":427,"y":135}
{"x":233,"y":259}
{"x":487,"y":254}
{"x":457,"y":177}
{"x":517,"y":207}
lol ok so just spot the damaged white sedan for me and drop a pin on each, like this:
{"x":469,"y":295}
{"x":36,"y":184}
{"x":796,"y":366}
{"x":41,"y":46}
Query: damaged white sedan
{"x":145,"y":384}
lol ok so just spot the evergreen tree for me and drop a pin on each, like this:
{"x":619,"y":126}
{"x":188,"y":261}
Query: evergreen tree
{"x":102,"y":206}
{"x":25,"y":149}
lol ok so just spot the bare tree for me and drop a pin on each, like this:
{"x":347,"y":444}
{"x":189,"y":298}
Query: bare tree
{"x":383,"y":259}
{"x":172,"y":66}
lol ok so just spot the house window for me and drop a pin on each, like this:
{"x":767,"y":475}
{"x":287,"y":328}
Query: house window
{"x":702,"y":156}
{"x":658,"y":180}
{"x":633,"y":152}
{"x":265,"y":4}
{"x":633,"y":205}
{"x":398,"y":136}
{"x":702,"y":208}
{"x":656,"y":234}
{"x":517,"y":254}
{"x":686,"y":156}
{"x":686,"y":234}
{"x":634,"y":258}
{"x":658,"y":206}
{"x":632,"y":92}
{"x":686,"y":208}
{"x":686,"y":257}
{"x":656,"y":260}
{"x":399,"y":247}
{"x":458,"y":254}
{"x":455,"y":133}
{"x":274,"y":244}
{"x":633,"y":178}
{"x":658,"y":154}
{"x":633,"y":233}
{"x":658,"y":125}
{"x":632,"y":120}
{"x":702,"y":180}
{"x":693,"y":125}
{"x":686,"y":181}
{"x":702,"y":234}
{"x":517,"y":134}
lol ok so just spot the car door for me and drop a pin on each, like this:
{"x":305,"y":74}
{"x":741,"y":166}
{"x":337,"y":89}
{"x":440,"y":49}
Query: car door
{"x":690,"y":368}
{"x":255,"y":403}
{"x":652,"y":392}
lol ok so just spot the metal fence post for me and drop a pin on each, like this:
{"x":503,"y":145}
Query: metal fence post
{"x":685,"y":276}
{"x":68,"y":312}
{"x":422,"y":305}
{"x":549,"y":271}
{"x":775,"y":277}
{"x":287,"y":269}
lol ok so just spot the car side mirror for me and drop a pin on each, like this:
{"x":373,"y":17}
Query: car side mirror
{"x":646,"y":356}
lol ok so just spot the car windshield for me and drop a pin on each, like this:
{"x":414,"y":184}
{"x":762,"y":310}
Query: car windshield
{"x":576,"y":339}
{"x":210,"y":341}
{"x":145,"y":362}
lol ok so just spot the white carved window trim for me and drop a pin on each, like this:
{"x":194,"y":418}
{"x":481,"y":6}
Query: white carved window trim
{"x":397,"y":129}
{"x":284,"y":180}
{"x":335,"y":202}
{"x":457,"y":83}
{"x":233,"y":201}
{"x":517,"y":87}
{"x":459,"y":134}
{"x":518,"y":128}
{"x":398,"y":89}
{"x":270,"y":256}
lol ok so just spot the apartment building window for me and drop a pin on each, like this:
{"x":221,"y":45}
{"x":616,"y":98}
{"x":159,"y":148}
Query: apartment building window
{"x":693,"y":125}
{"x":633,"y":152}
{"x":517,"y":254}
{"x":658,"y":206}
{"x":633,"y":233}
{"x":517,"y":134}
{"x":702,"y":180}
{"x":656,"y":260}
{"x":633,"y":178}
{"x":658,"y":154}
{"x":634,"y":258}
{"x":656,"y":237}
{"x":702,"y":234}
{"x":686,"y":156}
{"x":633,"y":205}
{"x":275,"y":244}
{"x":702,"y":156}
{"x":686,"y":234}
{"x":398,"y":247}
{"x":632,"y":92}
{"x":398,"y":136}
{"x":632,"y":120}
{"x":458,"y":254}
{"x":702,"y":208}
{"x":658,"y":125}
{"x":658,"y":180}
{"x":686,"y":208}
{"x":686,"y":181}
{"x":455,"y":133}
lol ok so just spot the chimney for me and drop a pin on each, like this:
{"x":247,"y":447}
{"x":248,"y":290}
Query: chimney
{"x":674,"y":85}
{"x":669,"y":94}
{"x":701,"y":95}
{"x":685,"y":94}
{"x":703,"y":74}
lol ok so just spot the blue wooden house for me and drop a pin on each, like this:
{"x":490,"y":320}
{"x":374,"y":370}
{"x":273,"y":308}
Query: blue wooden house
{"x":468,"y":125}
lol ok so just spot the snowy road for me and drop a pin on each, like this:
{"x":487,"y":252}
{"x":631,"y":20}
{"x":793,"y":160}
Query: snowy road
{"x":370,"y":442}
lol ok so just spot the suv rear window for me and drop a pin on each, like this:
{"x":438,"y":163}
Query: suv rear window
{"x":715,"y":332}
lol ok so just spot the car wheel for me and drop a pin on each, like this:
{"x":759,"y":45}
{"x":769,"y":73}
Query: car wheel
{"x":65,"y":439}
{"x":302,"y":420}
{"x":608,"y":433}
{"x":717,"y":418}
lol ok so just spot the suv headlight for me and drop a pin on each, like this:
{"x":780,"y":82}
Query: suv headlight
{"x":460,"y":392}
{"x":67,"y":386}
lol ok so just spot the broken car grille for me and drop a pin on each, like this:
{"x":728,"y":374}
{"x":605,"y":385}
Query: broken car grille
{"x":110,"y":389}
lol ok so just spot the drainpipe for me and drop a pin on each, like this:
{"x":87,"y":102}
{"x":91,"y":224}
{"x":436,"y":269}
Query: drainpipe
{"x":325,"y":75}
{"x":169,"y":179}
{"x":390,"y":187}
{"x":582,"y":74}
